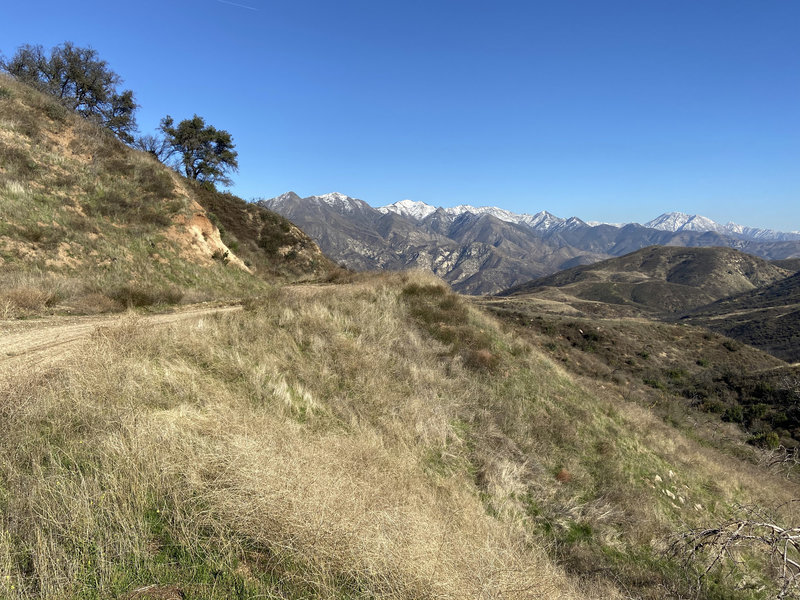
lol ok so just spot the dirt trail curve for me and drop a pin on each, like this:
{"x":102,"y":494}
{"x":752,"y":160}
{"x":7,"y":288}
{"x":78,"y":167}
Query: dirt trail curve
{"x":24,"y":344}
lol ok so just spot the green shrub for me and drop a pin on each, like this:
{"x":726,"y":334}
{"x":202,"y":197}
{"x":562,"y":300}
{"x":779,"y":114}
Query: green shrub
{"x":734,"y":414}
{"x":134,"y":295}
{"x":731,"y":346}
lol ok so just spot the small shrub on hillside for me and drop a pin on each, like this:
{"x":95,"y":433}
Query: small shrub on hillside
{"x":113,"y":203}
{"x":119,"y":166}
{"x":221,"y":255}
{"x":134,"y":295}
{"x":17,"y":161}
{"x":30,"y":298}
{"x":734,"y":414}
{"x":156,"y":182}
{"x":676,"y":374}
{"x":655,"y":383}
{"x":56,"y":112}
{"x":96,"y":303}
{"x":712,"y":406}
{"x":731,"y":346}
{"x":267,"y":216}
{"x":272,"y":241}
{"x":769,"y":440}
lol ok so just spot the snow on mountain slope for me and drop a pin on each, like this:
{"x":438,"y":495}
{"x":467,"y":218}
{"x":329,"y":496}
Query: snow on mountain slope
{"x":542,"y":221}
{"x":677,"y":221}
{"x":341,"y":202}
{"x":409,"y":208}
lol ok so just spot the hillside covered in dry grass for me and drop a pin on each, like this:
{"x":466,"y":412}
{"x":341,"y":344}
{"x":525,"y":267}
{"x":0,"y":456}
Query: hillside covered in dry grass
{"x":88,"y":224}
{"x":657,"y":280}
{"x":378,"y":439}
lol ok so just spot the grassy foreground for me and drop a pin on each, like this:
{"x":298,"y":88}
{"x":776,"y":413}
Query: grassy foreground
{"x":381,"y":439}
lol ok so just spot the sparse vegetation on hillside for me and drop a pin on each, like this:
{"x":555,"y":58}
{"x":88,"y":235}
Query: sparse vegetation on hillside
{"x":339,"y":442}
{"x":683,"y":371}
{"x":658,"y":280}
{"x":80,"y":80}
{"x":268,"y":243}
{"x":767,"y":318}
{"x":89,"y":225}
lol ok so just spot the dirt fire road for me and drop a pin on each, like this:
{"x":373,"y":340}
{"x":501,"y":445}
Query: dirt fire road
{"x":25,"y":344}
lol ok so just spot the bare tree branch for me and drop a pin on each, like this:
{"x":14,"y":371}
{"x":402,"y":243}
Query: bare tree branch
{"x":727,"y":545}
{"x":782,"y":459}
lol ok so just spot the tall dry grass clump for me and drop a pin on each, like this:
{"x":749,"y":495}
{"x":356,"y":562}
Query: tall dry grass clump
{"x":341,"y":442}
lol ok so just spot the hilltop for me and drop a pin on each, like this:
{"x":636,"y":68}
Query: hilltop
{"x":88,"y":224}
{"x":659,"y":279}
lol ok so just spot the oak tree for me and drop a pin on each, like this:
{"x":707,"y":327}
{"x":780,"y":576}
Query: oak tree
{"x":206,"y":153}
{"x":80,"y":80}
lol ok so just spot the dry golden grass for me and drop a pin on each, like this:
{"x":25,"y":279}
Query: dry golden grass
{"x":324,"y":443}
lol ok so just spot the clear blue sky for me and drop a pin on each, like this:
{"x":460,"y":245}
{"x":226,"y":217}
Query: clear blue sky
{"x":607,"y":110}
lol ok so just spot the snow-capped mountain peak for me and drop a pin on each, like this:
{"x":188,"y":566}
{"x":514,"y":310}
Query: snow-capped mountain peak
{"x":409,"y":208}
{"x":339,"y":201}
{"x":678,"y":221}
{"x":542,"y":222}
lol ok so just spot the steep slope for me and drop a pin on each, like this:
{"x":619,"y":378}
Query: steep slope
{"x":687,"y":374}
{"x":767,"y":318}
{"x":88,"y":224}
{"x":383,"y":439}
{"x":790,"y":264}
{"x":661,"y":279}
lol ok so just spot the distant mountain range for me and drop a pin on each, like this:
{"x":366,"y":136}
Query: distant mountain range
{"x":481,"y":250}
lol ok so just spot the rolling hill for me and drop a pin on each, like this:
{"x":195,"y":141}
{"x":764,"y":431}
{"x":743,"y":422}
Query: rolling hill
{"x":767,"y":318}
{"x":659,"y":279}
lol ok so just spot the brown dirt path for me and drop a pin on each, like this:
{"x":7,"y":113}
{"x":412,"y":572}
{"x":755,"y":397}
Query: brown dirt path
{"x":24,"y":344}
